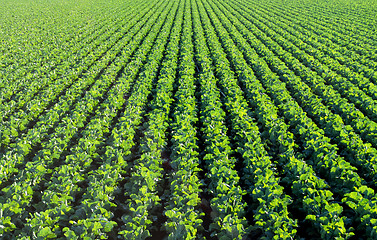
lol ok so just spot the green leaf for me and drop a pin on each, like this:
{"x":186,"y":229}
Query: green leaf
{"x":46,"y":233}
{"x":109,"y":226}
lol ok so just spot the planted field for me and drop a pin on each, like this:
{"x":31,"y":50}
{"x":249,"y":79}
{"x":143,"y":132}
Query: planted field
{"x":188,"y":119}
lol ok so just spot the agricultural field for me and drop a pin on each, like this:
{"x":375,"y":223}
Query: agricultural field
{"x":188,"y":119}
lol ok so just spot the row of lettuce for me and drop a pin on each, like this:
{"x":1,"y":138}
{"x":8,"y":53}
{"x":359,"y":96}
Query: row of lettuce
{"x":193,"y":119}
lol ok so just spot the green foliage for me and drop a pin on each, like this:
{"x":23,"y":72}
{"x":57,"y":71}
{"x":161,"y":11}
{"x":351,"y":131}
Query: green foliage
{"x":192,"y":118}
